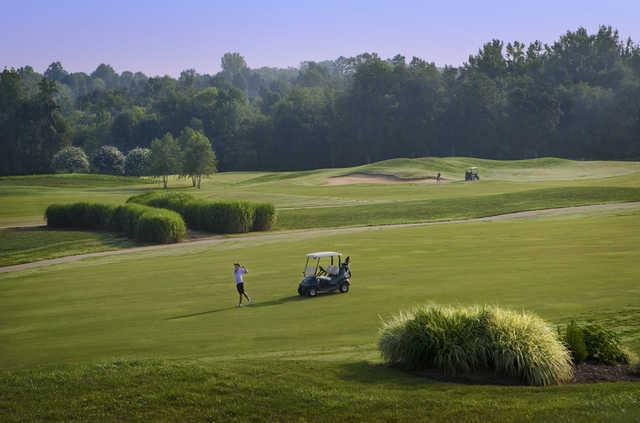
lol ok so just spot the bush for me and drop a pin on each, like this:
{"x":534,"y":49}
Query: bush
{"x":467,"y":340}
{"x":574,"y":339}
{"x":137,"y":162}
{"x":160,"y":226}
{"x":143,"y":223}
{"x":221,"y":217}
{"x":70,"y":160}
{"x":109,"y":160}
{"x":603,"y":345}
{"x":80,"y":215}
{"x":126,"y":217}
{"x":265,"y":217}
{"x":212,"y":216}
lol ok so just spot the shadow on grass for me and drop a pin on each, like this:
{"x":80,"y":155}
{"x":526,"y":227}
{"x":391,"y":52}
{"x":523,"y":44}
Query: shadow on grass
{"x":279,"y":301}
{"x":201,"y":313}
{"x":379,"y":373}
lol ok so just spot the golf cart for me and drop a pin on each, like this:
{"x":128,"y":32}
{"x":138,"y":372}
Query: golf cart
{"x":471,"y":174}
{"x":318,"y":279}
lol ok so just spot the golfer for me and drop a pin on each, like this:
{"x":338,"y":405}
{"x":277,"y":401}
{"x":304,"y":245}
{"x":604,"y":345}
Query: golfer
{"x":238,"y":271}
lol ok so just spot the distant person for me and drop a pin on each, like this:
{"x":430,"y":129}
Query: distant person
{"x":238,"y":272}
{"x":438,"y":177}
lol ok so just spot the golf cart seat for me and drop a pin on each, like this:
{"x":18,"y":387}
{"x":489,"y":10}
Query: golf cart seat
{"x":332,"y":270}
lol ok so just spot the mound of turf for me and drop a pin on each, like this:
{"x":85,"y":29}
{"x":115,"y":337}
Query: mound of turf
{"x":460,"y":340}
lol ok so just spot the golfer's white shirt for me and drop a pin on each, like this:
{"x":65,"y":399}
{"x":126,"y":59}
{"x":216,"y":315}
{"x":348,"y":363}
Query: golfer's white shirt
{"x":238,"y":274}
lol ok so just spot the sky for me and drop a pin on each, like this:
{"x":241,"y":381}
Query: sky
{"x":161,"y":37}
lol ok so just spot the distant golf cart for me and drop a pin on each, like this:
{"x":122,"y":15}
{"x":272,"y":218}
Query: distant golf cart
{"x":471,"y":174}
{"x":318,"y":279}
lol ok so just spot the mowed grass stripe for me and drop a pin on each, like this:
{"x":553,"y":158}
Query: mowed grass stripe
{"x":452,"y":208}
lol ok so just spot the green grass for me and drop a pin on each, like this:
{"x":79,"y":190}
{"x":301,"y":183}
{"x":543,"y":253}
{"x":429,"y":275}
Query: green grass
{"x":180,"y":302}
{"x":290,"y":391}
{"x":452,"y":208}
{"x":176,"y":349}
{"x":23,"y":245}
{"x":24,"y":199}
{"x":548,"y":168}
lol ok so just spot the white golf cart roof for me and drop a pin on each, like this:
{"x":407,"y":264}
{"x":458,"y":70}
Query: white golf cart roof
{"x":323,"y":254}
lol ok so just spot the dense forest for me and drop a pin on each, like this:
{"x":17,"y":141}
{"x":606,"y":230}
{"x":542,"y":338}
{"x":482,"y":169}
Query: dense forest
{"x":578,"y":97}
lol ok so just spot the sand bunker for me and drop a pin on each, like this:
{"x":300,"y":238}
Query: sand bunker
{"x":364,"y":178}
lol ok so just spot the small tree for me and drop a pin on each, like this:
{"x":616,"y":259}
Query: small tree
{"x":109,"y":160}
{"x":137,"y":162}
{"x":70,"y":160}
{"x":198,"y":158}
{"x":165,"y":158}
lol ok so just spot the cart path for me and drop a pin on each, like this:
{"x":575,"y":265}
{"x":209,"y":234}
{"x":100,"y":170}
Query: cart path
{"x":305,"y":233}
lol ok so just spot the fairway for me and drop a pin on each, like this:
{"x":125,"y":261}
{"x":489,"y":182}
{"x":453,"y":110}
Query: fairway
{"x":97,"y":309}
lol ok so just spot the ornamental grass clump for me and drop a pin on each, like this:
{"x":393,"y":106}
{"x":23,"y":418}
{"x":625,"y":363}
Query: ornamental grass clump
{"x":467,"y":340}
{"x":80,"y":215}
{"x":147,"y":224}
{"x":222,"y":217}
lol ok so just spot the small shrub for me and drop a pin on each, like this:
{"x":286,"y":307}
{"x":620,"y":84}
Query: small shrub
{"x":574,"y":339}
{"x":109,"y":160}
{"x":465,"y":340}
{"x":265,"y":217}
{"x":160,"y":226}
{"x":70,"y":160}
{"x":80,"y":215}
{"x":603,"y":345}
{"x":137,"y":162}
{"x":57,"y":216}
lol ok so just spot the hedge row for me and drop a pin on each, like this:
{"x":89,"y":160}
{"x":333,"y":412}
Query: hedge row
{"x":213,"y":216}
{"x":143,"y":223}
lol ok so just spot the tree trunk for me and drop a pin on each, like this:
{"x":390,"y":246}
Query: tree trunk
{"x":164,"y":181}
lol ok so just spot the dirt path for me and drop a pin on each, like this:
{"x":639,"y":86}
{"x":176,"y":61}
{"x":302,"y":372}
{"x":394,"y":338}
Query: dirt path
{"x":305,"y":233}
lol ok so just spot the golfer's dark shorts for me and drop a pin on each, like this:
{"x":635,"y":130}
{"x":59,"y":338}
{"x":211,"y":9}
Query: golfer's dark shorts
{"x":240,"y":288}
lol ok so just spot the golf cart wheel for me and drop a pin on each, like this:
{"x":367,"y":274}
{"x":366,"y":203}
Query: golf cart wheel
{"x":312,"y":292}
{"x":344,"y":288}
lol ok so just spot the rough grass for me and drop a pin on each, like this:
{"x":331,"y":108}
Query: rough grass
{"x":465,"y":340}
{"x":289,"y":391}
{"x":24,"y":245}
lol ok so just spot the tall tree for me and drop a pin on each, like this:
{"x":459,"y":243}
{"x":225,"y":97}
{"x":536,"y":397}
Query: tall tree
{"x":198,"y":158}
{"x":166,"y":158}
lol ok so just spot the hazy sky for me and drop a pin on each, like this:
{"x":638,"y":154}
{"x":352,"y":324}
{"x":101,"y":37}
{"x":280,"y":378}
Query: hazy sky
{"x":165,"y":37}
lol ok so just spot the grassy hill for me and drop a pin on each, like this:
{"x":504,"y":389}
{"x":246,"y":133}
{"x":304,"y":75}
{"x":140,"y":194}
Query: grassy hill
{"x":542,"y":169}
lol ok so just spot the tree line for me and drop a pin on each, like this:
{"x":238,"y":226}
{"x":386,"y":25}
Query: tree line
{"x":578,"y":97}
